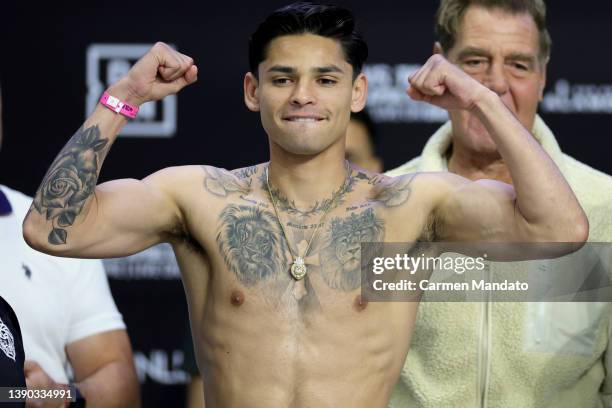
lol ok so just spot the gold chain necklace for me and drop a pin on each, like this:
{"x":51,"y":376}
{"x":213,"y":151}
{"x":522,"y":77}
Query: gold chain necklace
{"x":298,"y":266}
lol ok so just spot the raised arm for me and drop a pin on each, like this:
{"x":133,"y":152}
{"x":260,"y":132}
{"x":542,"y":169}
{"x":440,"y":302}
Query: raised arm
{"x":540,"y":207}
{"x":71,"y":215}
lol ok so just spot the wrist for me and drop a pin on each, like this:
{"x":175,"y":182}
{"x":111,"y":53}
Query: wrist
{"x":123,"y":91}
{"x":484,"y":101}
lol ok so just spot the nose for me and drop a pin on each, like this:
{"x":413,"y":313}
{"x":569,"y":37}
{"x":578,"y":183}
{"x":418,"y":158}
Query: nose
{"x":302,"y":94}
{"x":495,"y":79}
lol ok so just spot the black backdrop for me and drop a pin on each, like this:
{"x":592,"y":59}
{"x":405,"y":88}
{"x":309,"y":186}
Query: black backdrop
{"x":44,"y":84}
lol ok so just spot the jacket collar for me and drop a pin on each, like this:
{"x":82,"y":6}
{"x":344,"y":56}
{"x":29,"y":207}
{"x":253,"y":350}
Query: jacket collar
{"x":433,"y":157}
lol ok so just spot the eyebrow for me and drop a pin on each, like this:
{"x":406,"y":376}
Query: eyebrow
{"x":326,"y":69}
{"x":473,"y":51}
{"x":479,"y":52}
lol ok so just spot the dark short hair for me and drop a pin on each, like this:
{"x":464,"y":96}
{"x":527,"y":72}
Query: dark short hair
{"x":451,"y":12}
{"x":310,"y":18}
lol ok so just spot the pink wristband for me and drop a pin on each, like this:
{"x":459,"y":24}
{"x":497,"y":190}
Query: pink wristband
{"x":118,"y":106}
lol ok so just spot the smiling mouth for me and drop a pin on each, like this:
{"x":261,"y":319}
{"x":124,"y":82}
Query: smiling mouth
{"x":303,"y":119}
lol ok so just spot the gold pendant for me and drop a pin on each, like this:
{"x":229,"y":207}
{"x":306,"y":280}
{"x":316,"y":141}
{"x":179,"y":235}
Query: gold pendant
{"x":298,"y":268}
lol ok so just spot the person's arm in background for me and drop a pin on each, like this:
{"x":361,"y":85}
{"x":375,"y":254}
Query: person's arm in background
{"x":104,"y":373}
{"x":97,"y":345}
{"x":104,"y":370}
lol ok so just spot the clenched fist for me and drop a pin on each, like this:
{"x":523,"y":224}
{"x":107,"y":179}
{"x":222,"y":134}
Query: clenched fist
{"x":445,"y":85}
{"x":160,"y":72}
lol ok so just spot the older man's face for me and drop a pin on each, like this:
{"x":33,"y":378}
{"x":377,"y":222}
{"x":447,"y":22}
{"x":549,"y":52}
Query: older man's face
{"x":501,"y":50}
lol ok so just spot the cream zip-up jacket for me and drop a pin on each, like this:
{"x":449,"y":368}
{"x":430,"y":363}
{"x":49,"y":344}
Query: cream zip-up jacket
{"x":512,"y":354}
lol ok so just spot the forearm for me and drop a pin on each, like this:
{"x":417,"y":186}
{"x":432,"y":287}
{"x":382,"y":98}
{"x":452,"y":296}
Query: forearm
{"x":543,"y":197}
{"x":65,"y":195}
{"x":114,"y":385}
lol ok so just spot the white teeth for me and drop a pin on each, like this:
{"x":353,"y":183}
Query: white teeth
{"x":303,"y":119}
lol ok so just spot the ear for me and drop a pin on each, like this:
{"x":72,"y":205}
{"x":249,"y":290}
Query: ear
{"x":251,"y":92}
{"x":437,"y":48}
{"x":359,"y":93}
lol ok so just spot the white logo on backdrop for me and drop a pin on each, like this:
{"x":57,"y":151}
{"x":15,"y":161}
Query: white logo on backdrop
{"x":157,"y":262}
{"x":387,"y":99}
{"x":106,"y":63}
{"x":577,"y":98}
{"x":161,"y":366}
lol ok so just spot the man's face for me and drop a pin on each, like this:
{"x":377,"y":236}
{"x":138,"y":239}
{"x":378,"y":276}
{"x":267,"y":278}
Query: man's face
{"x":500,"y":50}
{"x":305,"y":93}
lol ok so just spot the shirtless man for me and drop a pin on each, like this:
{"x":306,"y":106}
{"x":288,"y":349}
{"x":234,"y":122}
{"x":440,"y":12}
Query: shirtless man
{"x":264,"y":337}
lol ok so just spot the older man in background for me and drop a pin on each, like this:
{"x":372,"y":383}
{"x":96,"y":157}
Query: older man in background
{"x":487,"y":354}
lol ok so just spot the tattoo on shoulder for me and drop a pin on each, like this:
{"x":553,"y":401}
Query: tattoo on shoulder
{"x":341,"y":249}
{"x":245,"y":172}
{"x":396,"y":191}
{"x":70,"y":181}
{"x":250,"y":241}
{"x":221,"y":182}
{"x":371,"y":179}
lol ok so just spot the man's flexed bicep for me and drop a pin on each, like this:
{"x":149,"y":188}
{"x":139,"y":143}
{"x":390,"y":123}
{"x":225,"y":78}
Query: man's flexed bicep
{"x":123,"y":217}
{"x":482,"y":210}
{"x":488,"y":210}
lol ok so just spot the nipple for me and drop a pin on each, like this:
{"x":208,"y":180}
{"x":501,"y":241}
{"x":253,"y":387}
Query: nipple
{"x":360,"y":303}
{"x":237,"y":298}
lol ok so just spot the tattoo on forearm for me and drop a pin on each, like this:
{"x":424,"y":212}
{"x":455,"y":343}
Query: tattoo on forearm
{"x":70,"y":181}
{"x":341,"y":253}
{"x":250,"y":241}
{"x":222,"y":183}
{"x":396,"y":192}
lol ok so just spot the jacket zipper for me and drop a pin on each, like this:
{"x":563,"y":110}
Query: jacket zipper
{"x":485,"y":343}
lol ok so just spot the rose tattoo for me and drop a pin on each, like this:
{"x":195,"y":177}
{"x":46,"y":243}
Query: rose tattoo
{"x":70,"y":181}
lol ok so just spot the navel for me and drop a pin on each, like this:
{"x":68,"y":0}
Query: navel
{"x":237,"y":298}
{"x":360,"y":304}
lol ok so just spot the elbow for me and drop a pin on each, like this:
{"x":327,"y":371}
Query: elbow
{"x":31,"y":235}
{"x":34,"y":236}
{"x":574,"y":233}
{"x":581,"y":229}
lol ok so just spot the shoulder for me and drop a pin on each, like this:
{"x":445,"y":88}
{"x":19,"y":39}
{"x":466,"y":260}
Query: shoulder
{"x":222,"y":183}
{"x":216,"y":181}
{"x":394,"y":191}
